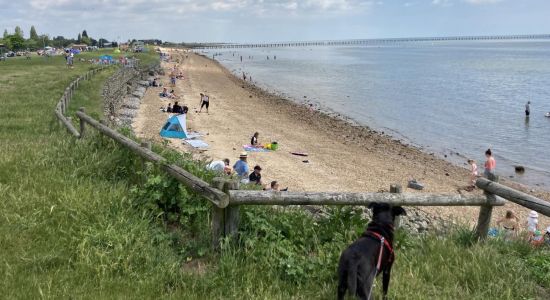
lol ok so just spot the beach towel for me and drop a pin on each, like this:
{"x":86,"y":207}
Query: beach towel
{"x":197,"y":143}
{"x":251,"y":148}
{"x":193,"y":135}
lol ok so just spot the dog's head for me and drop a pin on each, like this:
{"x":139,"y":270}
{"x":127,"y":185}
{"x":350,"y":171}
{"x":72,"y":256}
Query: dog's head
{"x":384,"y":213}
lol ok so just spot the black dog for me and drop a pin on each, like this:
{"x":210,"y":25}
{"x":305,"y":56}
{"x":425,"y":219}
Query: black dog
{"x":371,"y":254}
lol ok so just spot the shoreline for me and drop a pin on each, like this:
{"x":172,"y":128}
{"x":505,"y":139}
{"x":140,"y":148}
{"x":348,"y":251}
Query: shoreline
{"x":343,"y":156}
{"x":403,"y":141}
{"x":444,"y":147}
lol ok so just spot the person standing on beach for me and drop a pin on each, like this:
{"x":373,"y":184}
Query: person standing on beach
{"x":528,"y":108}
{"x":205,"y":101}
{"x":490,"y":165}
{"x":244,"y":76}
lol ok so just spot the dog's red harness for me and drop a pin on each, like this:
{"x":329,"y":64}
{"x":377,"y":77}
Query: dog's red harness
{"x":383,"y":242}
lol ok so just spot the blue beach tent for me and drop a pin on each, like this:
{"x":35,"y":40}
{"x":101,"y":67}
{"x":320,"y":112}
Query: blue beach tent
{"x":106,"y":57}
{"x":175,"y":127}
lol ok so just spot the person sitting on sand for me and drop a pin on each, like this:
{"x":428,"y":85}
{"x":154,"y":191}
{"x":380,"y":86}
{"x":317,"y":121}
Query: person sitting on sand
{"x":205,"y":101}
{"x":172,"y":95}
{"x":510,"y":223}
{"x":169,"y":108}
{"x":532,"y":221}
{"x":254,"y":140}
{"x":164,"y":93}
{"x":490,"y":165}
{"x":473,"y":173}
{"x":241,"y":167}
{"x":156,"y":82}
{"x":274,"y":187}
{"x":219,"y":166}
{"x":177,"y":109}
{"x":256,"y":176}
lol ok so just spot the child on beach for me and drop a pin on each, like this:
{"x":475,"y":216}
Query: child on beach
{"x":473,"y":172}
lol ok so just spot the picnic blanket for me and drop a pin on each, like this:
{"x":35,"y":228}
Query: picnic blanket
{"x":197,"y":143}
{"x":193,"y":135}
{"x":251,"y":148}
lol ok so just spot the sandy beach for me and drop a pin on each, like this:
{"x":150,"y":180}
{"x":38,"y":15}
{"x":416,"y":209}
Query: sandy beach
{"x":341,"y":156}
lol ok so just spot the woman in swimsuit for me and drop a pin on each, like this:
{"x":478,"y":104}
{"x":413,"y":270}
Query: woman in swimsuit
{"x":490,"y":165}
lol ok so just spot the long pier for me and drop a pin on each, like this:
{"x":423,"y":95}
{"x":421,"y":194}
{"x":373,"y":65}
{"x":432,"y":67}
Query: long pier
{"x":371,"y":41}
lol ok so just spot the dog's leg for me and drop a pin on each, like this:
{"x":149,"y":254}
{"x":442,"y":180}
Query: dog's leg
{"x":386,"y":281}
{"x":367,"y":281}
{"x":342,"y":283}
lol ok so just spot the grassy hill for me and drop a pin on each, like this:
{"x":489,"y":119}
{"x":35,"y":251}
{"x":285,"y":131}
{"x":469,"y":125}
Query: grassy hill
{"x":75,"y":223}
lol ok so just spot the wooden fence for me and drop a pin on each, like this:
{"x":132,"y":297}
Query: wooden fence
{"x":65,"y":101}
{"x":226,"y":198}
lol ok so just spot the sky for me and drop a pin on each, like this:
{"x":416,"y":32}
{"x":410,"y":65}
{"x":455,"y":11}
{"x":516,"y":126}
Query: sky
{"x":274,"y":20}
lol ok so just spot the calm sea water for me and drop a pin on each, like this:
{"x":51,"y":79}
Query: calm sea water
{"x":447,"y":97}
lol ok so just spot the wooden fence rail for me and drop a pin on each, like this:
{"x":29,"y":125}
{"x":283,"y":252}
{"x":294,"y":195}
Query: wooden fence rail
{"x":515,"y":196}
{"x":64,"y":102}
{"x":227,"y":198}
{"x":306,"y":198}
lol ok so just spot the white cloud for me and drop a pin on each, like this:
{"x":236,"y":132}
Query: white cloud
{"x":442,"y":2}
{"x":202,"y":5}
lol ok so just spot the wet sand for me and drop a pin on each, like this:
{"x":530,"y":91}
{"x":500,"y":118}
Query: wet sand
{"x":341,"y":156}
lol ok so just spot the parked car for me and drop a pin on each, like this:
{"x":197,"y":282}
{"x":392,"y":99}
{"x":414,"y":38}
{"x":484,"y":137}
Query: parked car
{"x":10,"y":54}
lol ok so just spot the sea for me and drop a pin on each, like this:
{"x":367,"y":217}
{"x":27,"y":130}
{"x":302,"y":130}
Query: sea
{"x":455,"y":99}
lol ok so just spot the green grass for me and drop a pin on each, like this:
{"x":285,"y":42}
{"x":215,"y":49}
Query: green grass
{"x":89,"y":96}
{"x":75,"y":223}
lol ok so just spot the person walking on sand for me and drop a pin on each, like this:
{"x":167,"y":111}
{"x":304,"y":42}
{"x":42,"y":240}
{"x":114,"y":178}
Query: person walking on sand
{"x":528,"y":108}
{"x":490,"y":165}
{"x":205,"y":101}
{"x":473,"y":172}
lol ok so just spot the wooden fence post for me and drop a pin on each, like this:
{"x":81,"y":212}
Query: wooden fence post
{"x":82,"y":124}
{"x":396,"y":189}
{"x":225,"y":221}
{"x":218,"y":216}
{"x":485,"y":213}
{"x":232,"y":216}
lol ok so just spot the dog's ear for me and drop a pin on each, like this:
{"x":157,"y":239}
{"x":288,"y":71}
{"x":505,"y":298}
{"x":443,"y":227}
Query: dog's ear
{"x":399,"y":211}
{"x":372,"y":205}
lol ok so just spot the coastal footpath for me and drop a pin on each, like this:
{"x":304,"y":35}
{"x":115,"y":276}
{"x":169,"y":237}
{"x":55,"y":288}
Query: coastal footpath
{"x":341,"y":156}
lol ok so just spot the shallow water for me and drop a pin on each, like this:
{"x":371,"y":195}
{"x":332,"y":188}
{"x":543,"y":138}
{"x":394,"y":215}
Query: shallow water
{"x":447,"y":97}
